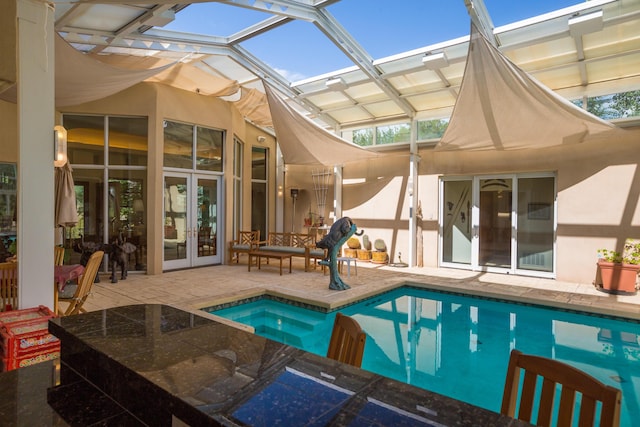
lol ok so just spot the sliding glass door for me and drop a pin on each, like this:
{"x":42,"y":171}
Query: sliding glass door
{"x":500,"y":223}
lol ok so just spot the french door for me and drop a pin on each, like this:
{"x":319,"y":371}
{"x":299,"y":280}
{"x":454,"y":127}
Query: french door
{"x":500,"y":223}
{"x":191,"y":220}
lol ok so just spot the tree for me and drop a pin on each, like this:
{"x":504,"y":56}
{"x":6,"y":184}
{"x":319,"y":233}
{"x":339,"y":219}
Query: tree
{"x":627,"y":104}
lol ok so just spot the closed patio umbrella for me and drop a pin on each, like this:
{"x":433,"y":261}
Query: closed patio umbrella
{"x":66,"y":214}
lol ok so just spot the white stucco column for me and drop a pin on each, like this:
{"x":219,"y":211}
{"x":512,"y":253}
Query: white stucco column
{"x":337,"y":192}
{"x":35,"y":228}
{"x":412,"y":193}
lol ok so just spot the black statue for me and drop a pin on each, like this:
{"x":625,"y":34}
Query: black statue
{"x":118,"y":251}
{"x":86,"y":249}
{"x":339,"y":233}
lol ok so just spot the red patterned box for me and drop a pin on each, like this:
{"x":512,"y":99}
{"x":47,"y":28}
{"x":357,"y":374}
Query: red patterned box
{"x":9,"y":364}
{"x":25,"y":338}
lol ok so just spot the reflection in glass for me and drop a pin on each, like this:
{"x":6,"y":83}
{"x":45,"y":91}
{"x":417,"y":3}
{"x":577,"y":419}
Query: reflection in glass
{"x":207,"y":217}
{"x":178,"y":145}
{"x":536,"y":221}
{"x":85,"y":139}
{"x":456,"y":230}
{"x":209,"y":147}
{"x":495,"y":222}
{"x":128,"y":141}
{"x":126,"y":204}
{"x":175,"y":218}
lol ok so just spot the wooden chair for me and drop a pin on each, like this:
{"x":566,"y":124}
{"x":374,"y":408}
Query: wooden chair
{"x":570,"y":380}
{"x":58,"y":255}
{"x":347,"y":341}
{"x":245,"y":243}
{"x":8,"y":286}
{"x":83,"y":289}
{"x":206,"y":242}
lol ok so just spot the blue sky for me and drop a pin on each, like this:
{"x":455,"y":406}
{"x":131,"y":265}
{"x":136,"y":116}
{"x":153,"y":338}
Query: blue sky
{"x":299,"y":50}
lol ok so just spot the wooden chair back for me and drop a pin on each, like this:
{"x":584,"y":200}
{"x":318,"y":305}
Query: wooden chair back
{"x":556,"y":375}
{"x":8,"y":286}
{"x":245,"y":243}
{"x":347,"y":341}
{"x":84,"y":286}
{"x":58,"y":255}
{"x":248,"y":237}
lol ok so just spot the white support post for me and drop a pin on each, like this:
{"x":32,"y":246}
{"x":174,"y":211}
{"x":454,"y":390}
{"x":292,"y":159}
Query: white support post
{"x":412,"y":192}
{"x":35,"y":228}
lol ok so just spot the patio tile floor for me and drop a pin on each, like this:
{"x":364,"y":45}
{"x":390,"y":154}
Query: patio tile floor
{"x":207,"y":286}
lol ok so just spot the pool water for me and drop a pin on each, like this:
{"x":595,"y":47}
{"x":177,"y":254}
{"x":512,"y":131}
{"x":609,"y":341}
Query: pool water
{"x":459,"y":345}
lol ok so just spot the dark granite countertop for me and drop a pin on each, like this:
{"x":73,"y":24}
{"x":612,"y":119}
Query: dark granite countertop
{"x":154,"y":365}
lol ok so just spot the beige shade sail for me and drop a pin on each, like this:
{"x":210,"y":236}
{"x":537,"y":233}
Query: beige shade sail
{"x":253,"y":105}
{"x":304,"y":143}
{"x":66,"y":214}
{"x":83,"y":78}
{"x":501,"y":107}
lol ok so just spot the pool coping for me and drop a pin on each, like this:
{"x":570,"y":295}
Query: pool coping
{"x":569,"y":301}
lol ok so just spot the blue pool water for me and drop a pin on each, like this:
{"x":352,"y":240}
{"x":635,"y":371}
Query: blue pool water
{"x":458,"y":345}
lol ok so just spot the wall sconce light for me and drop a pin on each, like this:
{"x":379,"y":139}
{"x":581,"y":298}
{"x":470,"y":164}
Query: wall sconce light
{"x":59,"y":146}
{"x":435,"y":61}
{"x":261,"y":139}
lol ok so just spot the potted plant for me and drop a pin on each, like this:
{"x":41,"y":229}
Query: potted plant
{"x":618,"y":272}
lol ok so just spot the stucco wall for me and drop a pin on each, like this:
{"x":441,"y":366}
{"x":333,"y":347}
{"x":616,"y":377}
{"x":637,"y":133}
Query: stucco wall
{"x":598,"y":195}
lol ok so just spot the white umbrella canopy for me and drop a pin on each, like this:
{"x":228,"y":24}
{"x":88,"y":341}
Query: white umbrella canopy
{"x":66,"y":214}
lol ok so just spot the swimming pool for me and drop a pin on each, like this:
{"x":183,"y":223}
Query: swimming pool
{"x":459,"y":345}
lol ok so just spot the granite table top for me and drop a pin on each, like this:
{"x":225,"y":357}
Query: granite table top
{"x":157,"y":365}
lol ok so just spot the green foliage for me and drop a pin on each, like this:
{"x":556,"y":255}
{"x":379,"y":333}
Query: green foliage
{"x":363,"y":137}
{"x":393,"y":133}
{"x":631,"y":254}
{"x":627,"y":104}
{"x":432,"y":129}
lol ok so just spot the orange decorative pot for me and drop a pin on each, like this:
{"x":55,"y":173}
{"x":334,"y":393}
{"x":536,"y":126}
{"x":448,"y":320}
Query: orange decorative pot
{"x":617,"y":278}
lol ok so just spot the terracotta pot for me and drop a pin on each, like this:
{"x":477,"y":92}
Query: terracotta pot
{"x":379,"y":257}
{"x":364,"y":255}
{"x":351,"y":253}
{"x":615,"y":278}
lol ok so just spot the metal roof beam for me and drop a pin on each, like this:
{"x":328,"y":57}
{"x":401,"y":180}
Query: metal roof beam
{"x":480,"y":16}
{"x":347,"y":44}
{"x":288,"y":8}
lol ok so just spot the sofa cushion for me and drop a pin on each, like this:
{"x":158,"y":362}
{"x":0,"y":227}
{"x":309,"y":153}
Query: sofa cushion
{"x":291,"y":249}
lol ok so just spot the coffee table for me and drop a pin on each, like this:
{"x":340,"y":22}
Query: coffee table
{"x":269,"y":254}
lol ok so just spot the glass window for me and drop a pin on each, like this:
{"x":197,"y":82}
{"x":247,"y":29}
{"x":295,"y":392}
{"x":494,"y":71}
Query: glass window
{"x":536,"y":197}
{"x":259,"y":190}
{"x":616,"y":106}
{"x":431,"y":129}
{"x":178,"y":145}
{"x":393,"y":133}
{"x":237,"y":186}
{"x":8,"y":189}
{"x":110,"y":201}
{"x":85,"y":139}
{"x":363,"y":137}
{"x":456,"y":230}
{"x":128,"y":141}
{"x":258,"y":163}
{"x":209,"y":147}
